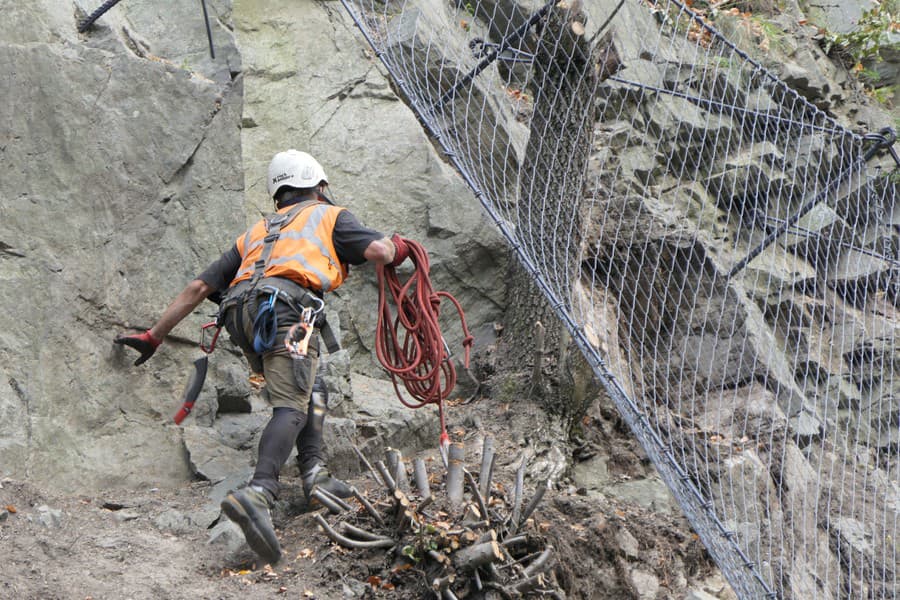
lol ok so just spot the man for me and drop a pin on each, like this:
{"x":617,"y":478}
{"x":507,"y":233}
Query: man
{"x":270,"y":281}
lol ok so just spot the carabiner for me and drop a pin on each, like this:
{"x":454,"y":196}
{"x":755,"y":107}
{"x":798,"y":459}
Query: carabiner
{"x":215,"y":336}
{"x":300,"y":346}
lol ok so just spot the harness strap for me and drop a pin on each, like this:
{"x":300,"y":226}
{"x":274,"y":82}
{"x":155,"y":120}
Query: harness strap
{"x":274,"y":224}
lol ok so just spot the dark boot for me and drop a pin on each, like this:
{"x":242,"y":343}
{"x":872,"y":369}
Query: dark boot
{"x":320,"y":477}
{"x":249,"y":508}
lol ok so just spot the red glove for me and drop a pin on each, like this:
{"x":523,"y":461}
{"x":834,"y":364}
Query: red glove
{"x":144,"y":343}
{"x":401,"y":250}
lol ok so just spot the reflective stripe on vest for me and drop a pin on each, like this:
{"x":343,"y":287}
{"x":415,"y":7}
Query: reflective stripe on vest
{"x":304,"y":252}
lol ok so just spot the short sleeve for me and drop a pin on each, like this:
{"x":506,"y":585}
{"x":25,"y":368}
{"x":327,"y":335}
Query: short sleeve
{"x":222,"y":271}
{"x":351,"y":238}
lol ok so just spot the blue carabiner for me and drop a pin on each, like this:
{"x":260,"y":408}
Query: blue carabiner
{"x":265,"y":327}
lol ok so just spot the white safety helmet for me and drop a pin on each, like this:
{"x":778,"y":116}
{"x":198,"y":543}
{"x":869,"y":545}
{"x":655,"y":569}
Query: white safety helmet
{"x":295,"y":169}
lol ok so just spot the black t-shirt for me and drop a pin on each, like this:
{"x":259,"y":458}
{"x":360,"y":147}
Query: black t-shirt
{"x":350,"y":238}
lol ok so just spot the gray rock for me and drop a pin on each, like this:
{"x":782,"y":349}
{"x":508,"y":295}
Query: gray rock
{"x":854,"y":534}
{"x":628,"y":544}
{"x":776,"y":273}
{"x":227,"y":536}
{"x":173,"y":521}
{"x":591,"y":474}
{"x":807,"y":425}
{"x":698,"y":595}
{"x":209,"y":457}
{"x":648,"y":492}
{"x":48,"y":517}
{"x":645,"y":584}
{"x":123,"y":516}
{"x":840,"y":17}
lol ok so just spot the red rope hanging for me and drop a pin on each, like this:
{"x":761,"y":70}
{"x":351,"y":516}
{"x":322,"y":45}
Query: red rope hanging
{"x":418,"y":356}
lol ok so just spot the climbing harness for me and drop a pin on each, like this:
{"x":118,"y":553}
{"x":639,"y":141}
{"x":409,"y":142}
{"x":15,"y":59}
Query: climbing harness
{"x":272,"y":289}
{"x":419,"y":357}
{"x":201,"y":365}
{"x":103,"y":8}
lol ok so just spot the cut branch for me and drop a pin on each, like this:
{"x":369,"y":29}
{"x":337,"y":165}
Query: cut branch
{"x":420,"y":474}
{"x":541,"y":563}
{"x":535,"y":500}
{"x":347,"y":542}
{"x":386,"y":477}
{"x":368,"y":506}
{"x":487,"y":467}
{"x":517,"y":494}
{"x":362,"y":534}
{"x":474,"y":487}
{"x":325,"y":501}
{"x":477,"y":555}
{"x":365,"y":461}
{"x":455,"y":473}
{"x":338,"y":501}
{"x":397,"y":468}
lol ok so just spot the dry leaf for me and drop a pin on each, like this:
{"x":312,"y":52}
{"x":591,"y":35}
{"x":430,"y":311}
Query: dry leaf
{"x":306,"y":553}
{"x":12,"y":509}
{"x":402,"y":567}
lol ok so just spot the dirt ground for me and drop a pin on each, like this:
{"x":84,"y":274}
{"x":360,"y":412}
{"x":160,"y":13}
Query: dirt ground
{"x":121,"y":544}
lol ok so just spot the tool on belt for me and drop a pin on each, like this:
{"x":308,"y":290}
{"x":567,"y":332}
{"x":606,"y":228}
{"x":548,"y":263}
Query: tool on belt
{"x":201,"y":365}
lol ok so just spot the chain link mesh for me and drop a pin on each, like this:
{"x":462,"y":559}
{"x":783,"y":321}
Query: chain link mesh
{"x":716,"y":244}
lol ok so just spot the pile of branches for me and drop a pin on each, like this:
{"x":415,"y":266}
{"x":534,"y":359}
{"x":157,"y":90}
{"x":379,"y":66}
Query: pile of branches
{"x":471,"y":542}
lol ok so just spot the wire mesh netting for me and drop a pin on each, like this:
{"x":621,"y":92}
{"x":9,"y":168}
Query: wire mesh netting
{"x":719,"y":247}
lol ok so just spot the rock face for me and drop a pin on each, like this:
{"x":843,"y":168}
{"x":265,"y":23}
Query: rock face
{"x":131,"y":160}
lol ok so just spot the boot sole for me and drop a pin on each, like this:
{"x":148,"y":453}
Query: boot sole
{"x":260,"y":537}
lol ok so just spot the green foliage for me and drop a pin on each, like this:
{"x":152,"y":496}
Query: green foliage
{"x":410,"y":553}
{"x":872,"y":32}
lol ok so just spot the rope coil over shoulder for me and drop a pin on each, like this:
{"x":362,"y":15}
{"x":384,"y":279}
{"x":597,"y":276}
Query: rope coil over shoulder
{"x":419,"y":356}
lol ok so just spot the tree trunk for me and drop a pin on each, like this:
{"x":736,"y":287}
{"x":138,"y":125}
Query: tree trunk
{"x":567,"y":71}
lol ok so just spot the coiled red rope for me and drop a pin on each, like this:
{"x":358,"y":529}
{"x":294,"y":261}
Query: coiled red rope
{"x":409,"y":343}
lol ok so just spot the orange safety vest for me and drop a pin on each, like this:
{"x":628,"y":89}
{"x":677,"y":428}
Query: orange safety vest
{"x":303,"y":253}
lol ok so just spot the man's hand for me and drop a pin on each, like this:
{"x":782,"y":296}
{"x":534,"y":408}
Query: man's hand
{"x":144,"y":343}
{"x":401,"y":250}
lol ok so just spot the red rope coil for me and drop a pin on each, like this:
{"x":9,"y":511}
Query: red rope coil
{"x":409,"y":344}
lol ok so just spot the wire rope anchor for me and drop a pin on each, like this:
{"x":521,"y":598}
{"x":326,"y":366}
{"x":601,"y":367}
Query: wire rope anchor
{"x":480,"y":49}
{"x":493,"y":54}
{"x":767,"y":221}
{"x":885,"y":138}
{"x":101,"y":10}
